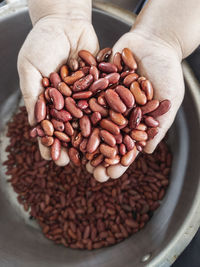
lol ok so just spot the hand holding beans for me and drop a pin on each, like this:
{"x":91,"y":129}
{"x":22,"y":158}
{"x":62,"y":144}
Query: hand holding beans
{"x":113,"y":106}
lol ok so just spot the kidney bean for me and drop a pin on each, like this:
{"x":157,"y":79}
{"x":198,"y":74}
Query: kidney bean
{"x":117,"y":118}
{"x":117,"y":61}
{"x":83,"y":145}
{"x":101,"y":100}
{"x":85,"y":126}
{"x":87,"y":57}
{"x":151,"y":122}
{"x":122,"y":149}
{"x":64,"y":71}
{"x":112,"y":161}
{"x":46,"y":94}
{"x":62,"y":136}
{"x":76,"y":139}
{"x":70,"y":105}
{"x":142,"y":143}
{"x":104,"y":54}
{"x":40,"y":108}
{"x":47,"y":140}
{"x":107,"y":67}
{"x":114,"y":101}
{"x":90,"y":156}
{"x":45,"y":82}
{"x":61,"y":115}
{"x":55,"y":79}
{"x":147,"y":88}
{"x":33,"y":132}
{"x":130,"y":78}
{"x":82,"y":104}
{"x":93,"y":141}
{"x":74,"y":156}
{"x":99,"y":85}
{"x":140,"y":79}
{"x":64,"y":89}
{"x":83,"y":83}
{"x":163,"y":108}
{"x":141,"y":127}
{"x":82,"y":95}
{"x":56,"y":98}
{"x":40,"y":132}
{"x":129,"y":143}
{"x":108,"y":138}
{"x":85,"y":70}
{"x":108,"y":151}
{"x":109,"y":126}
{"x":126,"y":72}
{"x":74,"y":77}
{"x":87,"y":111}
{"x":95,"y":72}
{"x":56,"y":149}
{"x":81,"y":64}
{"x":68,"y":128}
{"x":113,"y":77}
{"x":47,"y":127}
{"x":73,"y":64}
{"x":152,"y":132}
{"x":95,"y":107}
{"x":126,"y":96}
{"x":95,"y":117}
{"x":118,"y":138}
{"x":58,"y":125}
{"x":135,"y":117}
{"x":128,"y":59}
{"x":150,"y":106}
{"x":139,"y":135}
{"x":139,"y":95}
{"x":97,"y":160}
{"x":129,"y":157}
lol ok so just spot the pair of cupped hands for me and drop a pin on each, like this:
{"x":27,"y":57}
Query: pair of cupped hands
{"x":55,"y":40}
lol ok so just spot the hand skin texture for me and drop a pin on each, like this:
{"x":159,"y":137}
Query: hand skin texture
{"x":62,"y":28}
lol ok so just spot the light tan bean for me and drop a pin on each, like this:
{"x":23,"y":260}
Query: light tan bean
{"x":48,"y":128}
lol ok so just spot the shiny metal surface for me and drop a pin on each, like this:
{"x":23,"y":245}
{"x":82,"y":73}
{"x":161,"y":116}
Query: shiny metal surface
{"x":173,"y":224}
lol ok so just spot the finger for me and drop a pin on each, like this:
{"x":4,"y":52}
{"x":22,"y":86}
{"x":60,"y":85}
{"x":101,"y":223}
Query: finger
{"x":87,"y":41}
{"x":116,"y":171}
{"x":44,"y":151}
{"x":31,"y":87}
{"x":89,"y":167}
{"x":100,"y":174}
{"x":64,"y":158}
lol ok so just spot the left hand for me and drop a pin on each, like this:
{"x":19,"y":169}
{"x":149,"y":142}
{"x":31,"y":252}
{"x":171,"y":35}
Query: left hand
{"x":159,"y":62}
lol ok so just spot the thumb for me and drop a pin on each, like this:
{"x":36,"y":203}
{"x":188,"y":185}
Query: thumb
{"x":30,"y":84}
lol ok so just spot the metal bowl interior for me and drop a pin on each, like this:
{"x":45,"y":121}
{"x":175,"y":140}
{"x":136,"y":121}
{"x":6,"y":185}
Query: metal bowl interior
{"x":22,"y":243}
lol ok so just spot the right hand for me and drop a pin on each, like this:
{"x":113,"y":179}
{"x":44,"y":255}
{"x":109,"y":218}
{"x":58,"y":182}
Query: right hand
{"x":51,"y":42}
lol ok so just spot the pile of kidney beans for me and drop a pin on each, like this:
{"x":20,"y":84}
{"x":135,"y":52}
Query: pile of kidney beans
{"x":101,"y":111}
{"x":71,"y":207}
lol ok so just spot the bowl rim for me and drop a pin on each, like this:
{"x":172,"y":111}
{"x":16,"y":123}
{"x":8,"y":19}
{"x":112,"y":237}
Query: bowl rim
{"x":190,"y":226}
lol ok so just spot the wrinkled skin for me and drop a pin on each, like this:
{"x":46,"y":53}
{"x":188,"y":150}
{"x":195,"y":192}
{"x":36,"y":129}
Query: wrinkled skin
{"x":52,"y":41}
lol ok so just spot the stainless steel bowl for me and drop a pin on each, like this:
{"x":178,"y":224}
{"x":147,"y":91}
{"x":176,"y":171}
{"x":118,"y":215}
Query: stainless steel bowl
{"x":173,"y":224}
